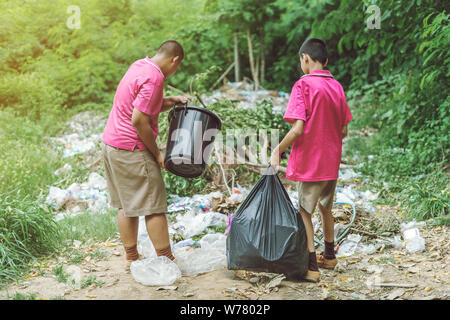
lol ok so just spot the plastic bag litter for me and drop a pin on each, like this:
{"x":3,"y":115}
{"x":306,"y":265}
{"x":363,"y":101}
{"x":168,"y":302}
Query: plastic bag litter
{"x":267,"y":232}
{"x":155,"y":271}
{"x":186,"y":243}
{"x":144,"y":244}
{"x":193,"y":224}
{"x":200,"y":260}
{"x":411,"y":224}
{"x":413,"y":240}
{"x":57,"y":197}
{"x":348,"y":247}
{"x":217,"y":241}
{"x":366,"y":248}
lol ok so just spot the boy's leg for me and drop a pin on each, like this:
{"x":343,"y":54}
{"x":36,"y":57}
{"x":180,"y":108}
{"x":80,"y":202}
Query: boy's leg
{"x":327,"y":259}
{"x":128,"y":229}
{"x":158,"y":232}
{"x":312,"y":274}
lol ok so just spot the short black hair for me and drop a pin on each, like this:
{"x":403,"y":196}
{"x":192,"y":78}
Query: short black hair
{"x":316,"y":49}
{"x":171,"y":48}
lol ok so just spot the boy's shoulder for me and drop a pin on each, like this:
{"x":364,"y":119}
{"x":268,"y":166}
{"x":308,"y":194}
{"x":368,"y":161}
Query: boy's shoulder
{"x":316,"y":78}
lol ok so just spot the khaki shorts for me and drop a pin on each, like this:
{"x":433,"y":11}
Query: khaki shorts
{"x":134,"y":180}
{"x":309,"y":192}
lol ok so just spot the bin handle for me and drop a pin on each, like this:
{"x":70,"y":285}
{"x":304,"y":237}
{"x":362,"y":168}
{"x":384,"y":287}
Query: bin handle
{"x":171,"y":113}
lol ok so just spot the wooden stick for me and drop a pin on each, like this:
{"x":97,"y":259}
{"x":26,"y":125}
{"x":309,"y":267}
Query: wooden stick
{"x":223,"y":171}
{"x":223,"y":75}
{"x":179,"y":91}
{"x":398,"y":285}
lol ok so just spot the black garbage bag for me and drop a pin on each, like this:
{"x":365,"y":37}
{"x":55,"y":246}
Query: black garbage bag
{"x":267,"y":232}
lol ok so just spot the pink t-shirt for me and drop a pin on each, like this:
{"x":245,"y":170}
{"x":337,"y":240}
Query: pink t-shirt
{"x":141,"y":88}
{"x":319,"y":100}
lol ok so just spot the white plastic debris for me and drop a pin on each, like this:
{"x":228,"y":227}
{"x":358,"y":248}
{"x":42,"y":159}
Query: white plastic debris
{"x":155,"y":271}
{"x":184,"y":243}
{"x":348,"y":175}
{"x":57,"y":197}
{"x":96,"y":181}
{"x":365,"y":248}
{"x":193,"y":224}
{"x":63,"y":170}
{"x":413,"y":241}
{"x":217,"y":241}
{"x":200,"y":260}
{"x":348,"y":247}
{"x":411,"y":224}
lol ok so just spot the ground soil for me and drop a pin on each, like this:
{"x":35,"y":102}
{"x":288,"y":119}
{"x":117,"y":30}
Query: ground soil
{"x":428,"y":272}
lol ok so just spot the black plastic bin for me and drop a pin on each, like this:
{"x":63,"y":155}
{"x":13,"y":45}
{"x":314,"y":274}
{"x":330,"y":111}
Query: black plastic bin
{"x":191,"y":134}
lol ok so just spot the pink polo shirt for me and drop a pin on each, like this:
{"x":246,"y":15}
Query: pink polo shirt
{"x":141,"y":88}
{"x":319,"y":100}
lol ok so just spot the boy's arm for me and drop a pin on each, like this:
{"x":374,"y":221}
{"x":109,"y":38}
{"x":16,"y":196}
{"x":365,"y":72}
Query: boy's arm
{"x":169,"y":102}
{"x":293,"y":134}
{"x":344,"y":131}
{"x":141,"y":122}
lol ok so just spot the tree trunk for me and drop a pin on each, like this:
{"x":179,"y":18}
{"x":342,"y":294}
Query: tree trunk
{"x":252,"y":62}
{"x":262,"y":58}
{"x":237,"y":70}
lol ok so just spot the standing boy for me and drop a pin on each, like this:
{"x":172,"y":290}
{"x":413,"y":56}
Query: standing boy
{"x":131,"y":157}
{"x":319,"y":113}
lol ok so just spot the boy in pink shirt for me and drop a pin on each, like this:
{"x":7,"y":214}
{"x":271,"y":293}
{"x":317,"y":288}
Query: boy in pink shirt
{"x":131,"y":157}
{"x":319,"y":113}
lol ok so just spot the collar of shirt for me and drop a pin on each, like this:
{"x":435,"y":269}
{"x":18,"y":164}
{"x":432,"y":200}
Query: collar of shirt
{"x":150,"y":61}
{"x":324,"y":73}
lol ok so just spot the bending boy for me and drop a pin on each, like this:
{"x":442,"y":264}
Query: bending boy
{"x":131,"y":156}
{"x":319,"y":113}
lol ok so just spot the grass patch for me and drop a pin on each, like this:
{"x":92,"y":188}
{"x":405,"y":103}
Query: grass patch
{"x":24,"y":296}
{"x":60,"y":274}
{"x":89,"y":226}
{"x":91,"y":281}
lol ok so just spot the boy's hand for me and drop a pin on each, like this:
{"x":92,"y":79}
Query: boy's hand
{"x":160,"y":160}
{"x":179,"y":100}
{"x":275,"y":159}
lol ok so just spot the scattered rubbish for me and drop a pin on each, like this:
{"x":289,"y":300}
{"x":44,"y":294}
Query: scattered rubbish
{"x":358,"y":296}
{"x":244,"y":93}
{"x":267,"y":231}
{"x":186,"y":243}
{"x":91,"y":195}
{"x":365,"y":248}
{"x":411,"y":225}
{"x":413,"y":241}
{"x":358,"y":198}
{"x":215,"y":241}
{"x":155,"y":271}
{"x":193,"y":261}
{"x":400,"y":285}
{"x":188,"y":294}
{"x":63,"y":170}
{"x":167,"y":288}
{"x":275,"y":281}
{"x":395,"y":294}
{"x":192,"y":223}
{"x":348,"y":247}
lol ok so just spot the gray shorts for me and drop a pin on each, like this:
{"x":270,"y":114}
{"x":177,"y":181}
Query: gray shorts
{"x":310,"y":192}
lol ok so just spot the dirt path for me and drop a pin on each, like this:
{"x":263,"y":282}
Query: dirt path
{"x":429,"y":271}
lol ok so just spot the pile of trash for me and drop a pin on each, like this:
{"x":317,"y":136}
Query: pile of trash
{"x":191,"y":257}
{"x":247,"y":97}
{"x":82,"y":135}
{"x":78,"y":197}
